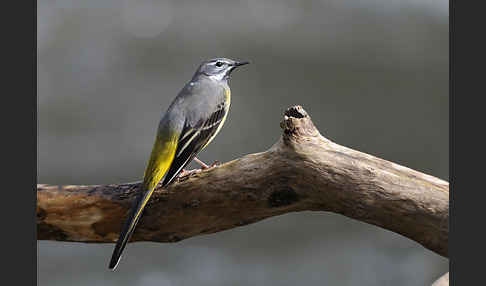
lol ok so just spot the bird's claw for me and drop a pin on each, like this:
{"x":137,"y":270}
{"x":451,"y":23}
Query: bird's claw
{"x":184,"y":174}
{"x":214,"y":164}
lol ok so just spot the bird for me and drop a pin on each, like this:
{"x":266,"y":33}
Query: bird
{"x":190,"y":123}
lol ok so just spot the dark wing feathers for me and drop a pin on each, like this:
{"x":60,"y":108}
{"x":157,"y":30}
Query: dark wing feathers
{"x":193,"y":139}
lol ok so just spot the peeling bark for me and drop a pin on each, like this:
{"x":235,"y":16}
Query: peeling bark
{"x":302,"y":171}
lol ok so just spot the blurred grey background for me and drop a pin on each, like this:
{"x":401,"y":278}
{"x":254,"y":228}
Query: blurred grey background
{"x":372,"y":74}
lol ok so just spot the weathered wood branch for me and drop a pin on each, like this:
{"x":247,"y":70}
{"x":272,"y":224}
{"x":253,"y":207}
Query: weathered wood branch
{"x":302,"y":171}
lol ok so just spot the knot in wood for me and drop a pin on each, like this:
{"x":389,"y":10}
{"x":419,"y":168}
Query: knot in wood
{"x":297,"y":123}
{"x":282,"y":198}
{"x":296,"y":111}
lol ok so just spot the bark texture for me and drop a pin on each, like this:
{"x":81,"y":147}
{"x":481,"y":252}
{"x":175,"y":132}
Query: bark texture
{"x":302,"y":171}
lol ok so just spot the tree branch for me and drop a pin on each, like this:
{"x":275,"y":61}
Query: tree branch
{"x":302,"y":171}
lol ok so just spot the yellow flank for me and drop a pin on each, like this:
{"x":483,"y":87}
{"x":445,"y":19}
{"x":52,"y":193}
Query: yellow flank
{"x":160,"y":160}
{"x":227,"y":94}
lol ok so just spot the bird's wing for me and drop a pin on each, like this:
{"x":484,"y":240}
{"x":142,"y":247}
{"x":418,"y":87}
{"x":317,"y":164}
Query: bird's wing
{"x":161,"y":159}
{"x":194,"y":138}
{"x":171,"y":153}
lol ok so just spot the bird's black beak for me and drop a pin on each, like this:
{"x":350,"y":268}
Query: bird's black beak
{"x":233,"y":67}
{"x":237,"y":64}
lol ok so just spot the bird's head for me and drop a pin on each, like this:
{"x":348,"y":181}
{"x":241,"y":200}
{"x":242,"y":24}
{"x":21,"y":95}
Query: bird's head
{"x":219,"y":68}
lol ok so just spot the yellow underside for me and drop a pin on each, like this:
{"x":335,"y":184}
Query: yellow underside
{"x":161,"y":158}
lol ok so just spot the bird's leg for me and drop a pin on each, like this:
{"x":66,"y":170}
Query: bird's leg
{"x":201,"y":163}
{"x":185,"y":173}
{"x":204,"y":165}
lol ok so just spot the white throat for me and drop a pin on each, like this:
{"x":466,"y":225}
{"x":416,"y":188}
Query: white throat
{"x":217,"y":77}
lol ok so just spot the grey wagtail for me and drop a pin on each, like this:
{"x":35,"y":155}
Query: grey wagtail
{"x":192,"y":120}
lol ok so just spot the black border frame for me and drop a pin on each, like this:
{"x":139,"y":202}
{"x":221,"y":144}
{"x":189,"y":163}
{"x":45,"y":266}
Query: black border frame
{"x":21,"y":61}
{"x":19,"y":144}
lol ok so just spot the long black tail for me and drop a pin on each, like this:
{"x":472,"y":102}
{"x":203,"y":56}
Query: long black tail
{"x":129,"y":227}
{"x":176,"y":166}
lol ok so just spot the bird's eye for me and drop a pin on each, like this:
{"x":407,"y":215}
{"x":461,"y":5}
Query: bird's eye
{"x":219,"y":64}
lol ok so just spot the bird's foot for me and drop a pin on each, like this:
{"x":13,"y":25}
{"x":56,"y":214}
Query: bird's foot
{"x":184,"y":174}
{"x":214,"y":164}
